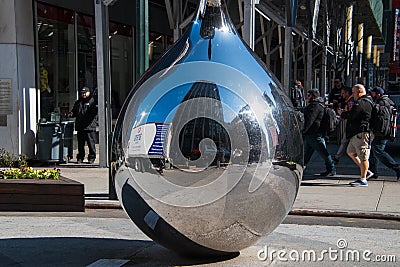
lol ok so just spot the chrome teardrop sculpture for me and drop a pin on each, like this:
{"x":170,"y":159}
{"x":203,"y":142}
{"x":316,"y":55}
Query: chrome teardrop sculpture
{"x":207,"y":152}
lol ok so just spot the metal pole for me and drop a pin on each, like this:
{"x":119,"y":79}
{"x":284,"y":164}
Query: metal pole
{"x":360,"y":49}
{"x":249,"y":22}
{"x":287,"y":61}
{"x":291,"y":11}
{"x":103,"y":80}
{"x":324,"y":79}
{"x":177,"y":12}
{"x":348,"y":37}
{"x":309,"y":73}
{"x":142,"y":37}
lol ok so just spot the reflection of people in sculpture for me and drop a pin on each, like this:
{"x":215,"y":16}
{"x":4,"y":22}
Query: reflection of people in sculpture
{"x":44,"y":79}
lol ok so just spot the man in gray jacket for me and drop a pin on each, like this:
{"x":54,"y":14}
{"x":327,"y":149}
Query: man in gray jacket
{"x":380,"y":141}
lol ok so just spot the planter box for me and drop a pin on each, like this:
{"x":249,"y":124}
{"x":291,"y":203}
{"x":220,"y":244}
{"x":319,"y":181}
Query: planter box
{"x":41,"y":195}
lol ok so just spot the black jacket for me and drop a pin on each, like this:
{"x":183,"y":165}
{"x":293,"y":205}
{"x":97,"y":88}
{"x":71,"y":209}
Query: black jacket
{"x":85,"y":111}
{"x":313,"y":114}
{"x":358,"y":117}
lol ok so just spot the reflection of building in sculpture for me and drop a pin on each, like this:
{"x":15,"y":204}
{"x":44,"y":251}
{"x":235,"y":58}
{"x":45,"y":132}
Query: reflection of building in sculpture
{"x":247,"y":117}
{"x":199,"y":117}
{"x":286,"y":150}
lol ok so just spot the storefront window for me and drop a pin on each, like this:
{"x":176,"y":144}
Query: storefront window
{"x":56,"y":59}
{"x":86,"y":53}
{"x":121,"y":46}
{"x":67,"y":59}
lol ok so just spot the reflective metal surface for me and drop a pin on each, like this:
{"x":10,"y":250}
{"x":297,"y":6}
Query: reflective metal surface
{"x":207,"y":152}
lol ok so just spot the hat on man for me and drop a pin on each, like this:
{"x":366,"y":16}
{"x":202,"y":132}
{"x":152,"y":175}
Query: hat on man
{"x":84,"y":90}
{"x":313,"y":92}
{"x":378,"y":90}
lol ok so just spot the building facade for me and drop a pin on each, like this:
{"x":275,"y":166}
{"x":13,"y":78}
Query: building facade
{"x":51,"y":48}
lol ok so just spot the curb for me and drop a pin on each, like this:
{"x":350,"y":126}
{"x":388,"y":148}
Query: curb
{"x":346,"y":214}
{"x":102,"y":205}
{"x":296,"y":212}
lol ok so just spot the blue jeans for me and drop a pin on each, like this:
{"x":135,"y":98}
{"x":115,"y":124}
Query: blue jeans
{"x":315,"y":142}
{"x":378,"y":153}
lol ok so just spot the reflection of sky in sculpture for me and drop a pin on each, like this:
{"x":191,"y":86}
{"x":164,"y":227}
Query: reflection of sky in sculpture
{"x":173,"y":98}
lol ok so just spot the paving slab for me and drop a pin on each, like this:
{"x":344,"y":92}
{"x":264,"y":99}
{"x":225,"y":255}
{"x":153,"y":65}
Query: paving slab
{"x":52,"y":240}
{"x":390,"y":199}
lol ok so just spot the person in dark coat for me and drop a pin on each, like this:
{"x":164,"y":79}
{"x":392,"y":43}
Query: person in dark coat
{"x":335,"y":96}
{"x":313,"y":133}
{"x":85,"y":111}
{"x":379,"y":144}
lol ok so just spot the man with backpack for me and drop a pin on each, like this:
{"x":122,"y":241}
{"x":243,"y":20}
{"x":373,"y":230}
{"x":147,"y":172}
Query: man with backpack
{"x":359,"y":133}
{"x":383,"y":106}
{"x":314,"y":133}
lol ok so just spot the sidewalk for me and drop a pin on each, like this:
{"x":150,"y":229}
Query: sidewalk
{"x":317,"y":195}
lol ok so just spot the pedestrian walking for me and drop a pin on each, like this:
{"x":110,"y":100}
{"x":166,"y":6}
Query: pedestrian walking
{"x":359,"y":133}
{"x":297,"y":98}
{"x":334,"y":96}
{"x":85,"y":112}
{"x":378,"y":146}
{"x":348,"y":104}
{"x":313,"y":132}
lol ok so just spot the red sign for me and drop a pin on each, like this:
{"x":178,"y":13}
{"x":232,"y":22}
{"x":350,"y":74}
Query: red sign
{"x":395,"y":4}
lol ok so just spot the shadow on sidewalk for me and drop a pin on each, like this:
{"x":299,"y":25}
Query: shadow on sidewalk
{"x":81,"y":165}
{"x":72,"y":251}
{"x":323,"y":184}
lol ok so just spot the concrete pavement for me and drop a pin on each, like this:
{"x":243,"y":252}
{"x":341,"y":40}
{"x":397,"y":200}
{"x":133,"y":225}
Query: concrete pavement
{"x":109,"y":238}
{"x":317,"y":195}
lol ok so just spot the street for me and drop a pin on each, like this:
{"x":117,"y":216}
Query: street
{"x":108,"y":238}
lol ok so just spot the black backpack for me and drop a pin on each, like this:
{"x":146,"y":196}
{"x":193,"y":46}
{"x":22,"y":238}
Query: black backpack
{"x":329,"y":120}
{"x":382,"y":120}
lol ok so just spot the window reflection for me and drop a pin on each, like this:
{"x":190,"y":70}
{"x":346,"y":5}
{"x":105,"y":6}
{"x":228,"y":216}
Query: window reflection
{"x":158,"y":44}
{"x":67,"y":59}
{"x":86,"y":53}
{"x":121,"y":43}
{"x":56,"y":59}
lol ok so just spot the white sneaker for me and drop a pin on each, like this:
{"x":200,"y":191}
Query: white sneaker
{"x":369,"y":174}
{"x":359,"y":182}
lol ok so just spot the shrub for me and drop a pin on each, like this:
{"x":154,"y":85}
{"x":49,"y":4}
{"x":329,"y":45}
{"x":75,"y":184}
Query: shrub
{"x":8,"y":160}
{"x":16,"y":167}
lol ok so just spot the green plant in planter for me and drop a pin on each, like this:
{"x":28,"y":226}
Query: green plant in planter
{"x":16,"y":167}
{"x":30,"y":173}
{"x":9,"y":160}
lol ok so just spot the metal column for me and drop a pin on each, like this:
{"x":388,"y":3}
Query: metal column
{"x":291,"y":12}
{"x":249,"y":22}
{"x":103,"y":80}
{"x":142,"y":37}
